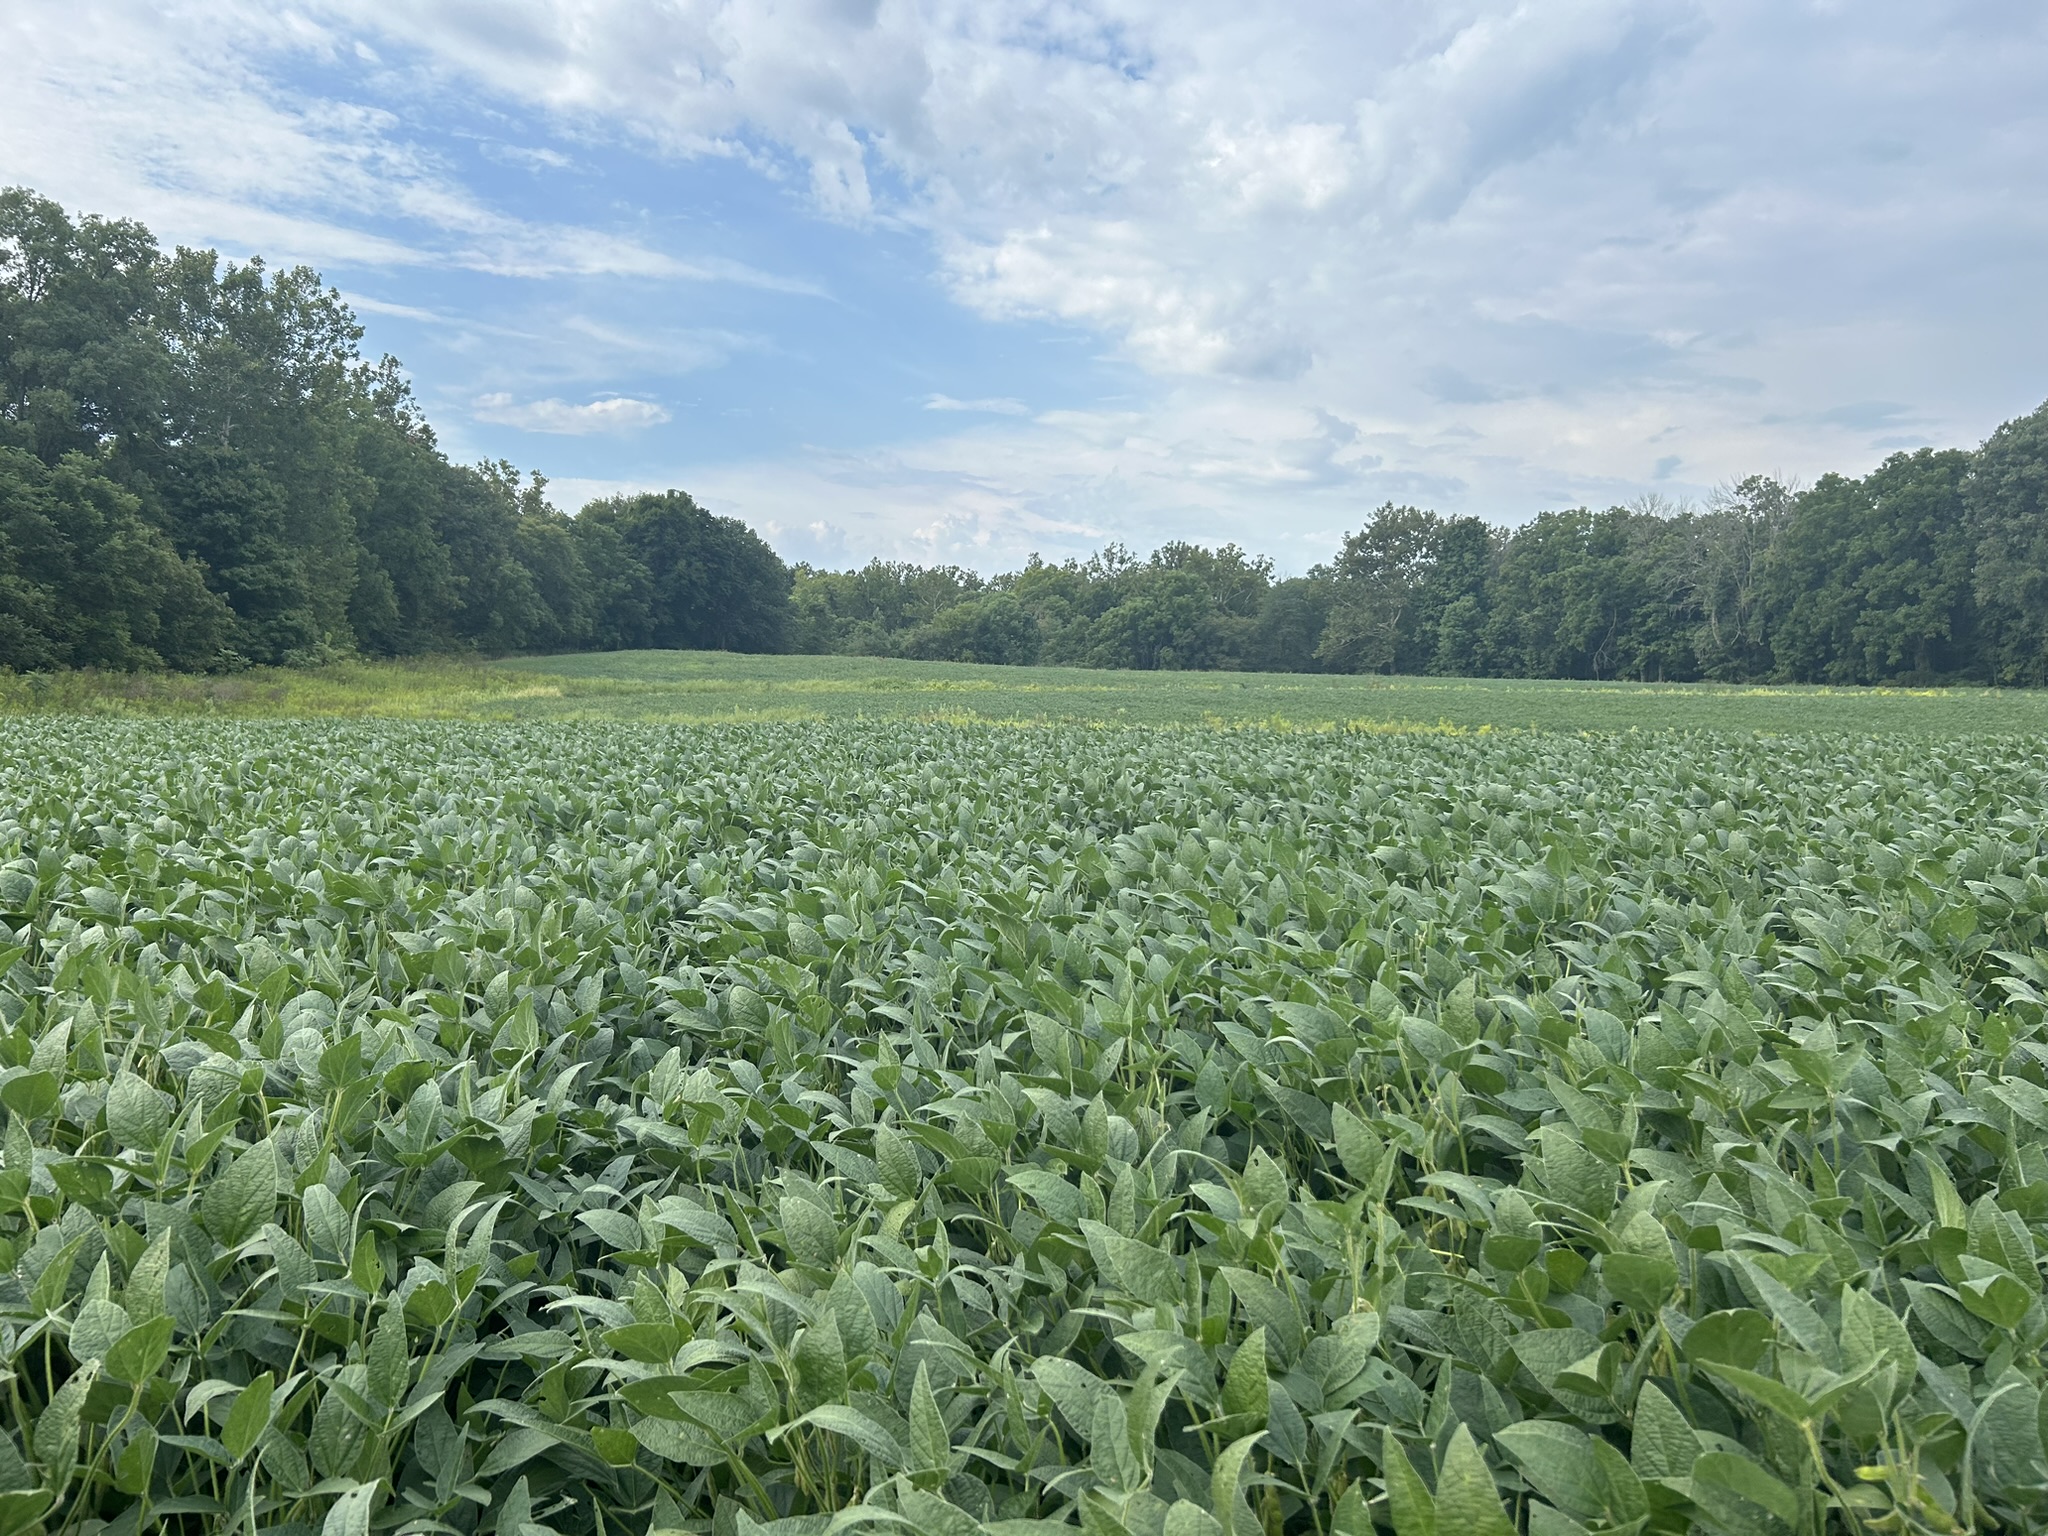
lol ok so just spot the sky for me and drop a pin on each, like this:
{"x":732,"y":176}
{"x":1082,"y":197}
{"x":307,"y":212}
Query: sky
{"x":959,"y":282}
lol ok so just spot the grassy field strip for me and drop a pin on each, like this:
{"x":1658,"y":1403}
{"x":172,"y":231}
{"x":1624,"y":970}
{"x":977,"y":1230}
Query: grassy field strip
{"x":704,"y":687}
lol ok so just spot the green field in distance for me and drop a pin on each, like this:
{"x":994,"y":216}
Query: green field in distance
{"x":688,"y":686}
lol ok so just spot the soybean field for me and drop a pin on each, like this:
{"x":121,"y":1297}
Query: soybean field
{"x":1038,"y":1130}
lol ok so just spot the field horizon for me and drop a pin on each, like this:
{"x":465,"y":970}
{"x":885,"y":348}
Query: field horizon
{"x":687,"y":687}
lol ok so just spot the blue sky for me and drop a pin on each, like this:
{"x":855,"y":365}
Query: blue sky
{"x":963,"y":281}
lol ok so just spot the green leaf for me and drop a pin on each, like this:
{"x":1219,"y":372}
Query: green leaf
{"x":1270,"y":1308}
{"x":56,"y":1435}
{"x":2006,"y":1431}
{"x":1644,"y":1283}
{"x":1546,"y":1521}
{"x":294,"y":1265}
{"x":1146,"y":1272}
{"x":1264,"y":1182}
{"x":1349,"y":1518}
{"x":1739,"y":1494}
{"x":327,"y":1224}
{"x":1507,"y":1252}
{"x":234,"y":1205}
{"x":648,"y":1343}
{"x":1459,"y":1011}
{"x":20,"y":1148}
{"x":1593,"y":1374}
{"x":144,"y":1296}
{"x":1225,"y":1502}
{"x":388,"y":1360}
{"x":1995,"y":1296}
{"x":1549,"y":1352}
{"x":931,"y":1443}
{"x":1795,"y":1315}
{"x":31,"y":1096}
{"x":1147,"y":1402}
{"x":1774,"y":1395}
{"x":1626,"y":1500}
{"x":1353,"y":1340}
{"x":48,"y":1293}
{"x":616,"y":1228}
{"x":1286,"y":1430}
{"x":855,"y":1426}
{"x":366,"y":1266}
{"x":1738,"y":1338}
{"x":1247,"y":1388}
{"x":933,"y":1516}
{"x":818,"y":1363}
{"x":20,"y":1511}
{"x":679,"y":1441}
{"x":809,"y":1232}
{"x":515,"y":1510}
{"x":1358,"y":1148}
{"x":1661,"y":1442}
{"x":1055,"y":1196}
{"x":138,"y":1115}
{"x":1937,"y":1310}
{"x":338,"y":1435}
{"x":350,"y":1514}
{"x":1559,"y":1462}
{"x":1871,"y":1330}
{"x":1110,"y":1452}
{"x":1574,"y":1176}
{"x":1409,"y":1500}
{"x":1467,"y":1503}
{"x":897,"y":1160}
{"x":98,"y":1327}
{"x":1833,"y":1389}
{"x":1185,"y":1519}
{"x":141,"y":1351}
{"x":249,"y":1417}
{"x":1072,"y":1388}
{"x":136,"y":1462}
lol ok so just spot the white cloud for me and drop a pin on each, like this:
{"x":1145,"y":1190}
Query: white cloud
{"x":363,"y":304}
{"x":1488,"y":253}
{"x":1259,"y":193}
{"x":1270,"y":477}
{"x":989,"y":407}
{"x":179,"y":114}
{"x":614,"y":414}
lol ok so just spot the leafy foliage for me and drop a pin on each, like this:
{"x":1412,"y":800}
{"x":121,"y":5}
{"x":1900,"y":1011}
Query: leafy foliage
{"x":542,"y":1128}
{"x":199,"y":470}
{"x":1934,"y":567}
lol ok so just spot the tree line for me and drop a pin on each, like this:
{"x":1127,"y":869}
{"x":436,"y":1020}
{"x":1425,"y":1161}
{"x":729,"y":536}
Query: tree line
{"x":1932,"y":568}
{"x":200,"y":470}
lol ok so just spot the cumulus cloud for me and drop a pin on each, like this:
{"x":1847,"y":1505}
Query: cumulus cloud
{"x":1486,"y":253}
{"x":614,"y":414}
{"x":1255,"y":194}
{"x":184,"y":115}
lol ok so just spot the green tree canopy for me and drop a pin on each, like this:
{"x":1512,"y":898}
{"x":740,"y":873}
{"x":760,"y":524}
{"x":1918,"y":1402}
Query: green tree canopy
{"x":172,"y":420}
{"x":2006,"y":493}
{"x":200,"y":468}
